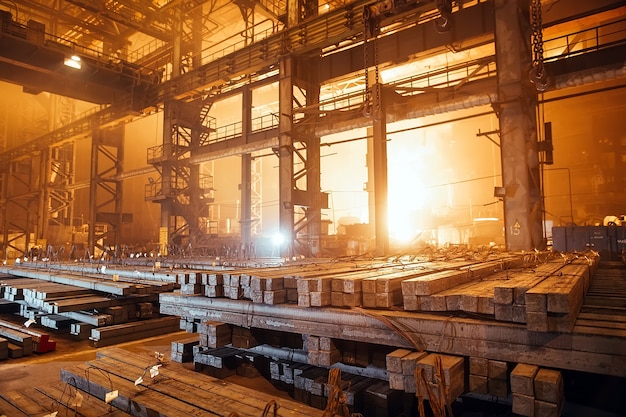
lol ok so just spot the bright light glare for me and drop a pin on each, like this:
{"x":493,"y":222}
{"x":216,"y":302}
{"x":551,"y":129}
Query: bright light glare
{"x":73,"y":62}
{"x":485,"y":219}
{"x":278,"y":239}
{"x":406,"y":200}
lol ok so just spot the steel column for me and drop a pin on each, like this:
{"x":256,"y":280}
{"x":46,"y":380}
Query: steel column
{"x":516,"y":107}
{"x":246,"y":170}
{"x":313,"y":163}
{"x":45,"y":168}
{"x":285,"y":154}
{"x":246,"y":199}
{"x":105,"y":191}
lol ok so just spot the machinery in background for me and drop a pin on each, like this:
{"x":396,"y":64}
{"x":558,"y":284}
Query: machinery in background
{"x":609,"y":241}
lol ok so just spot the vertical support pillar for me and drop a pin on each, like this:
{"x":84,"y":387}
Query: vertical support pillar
{"x":4,"y":221}
{"x":293,"y":12}
{"x":93,"y":191}
{"x":285,"y":153}
{"x":166,"y":178}
{"x":197,"y":209}
{"x":517,"y":112}
{"x":246,"y":170}
{"x":45,"y":169}
{"x":314,"y":213}
{"x":377,"y":172}
{"x":246,"y":199}
{"x":313,"y":168}
{"x":105,"y":191}
{"x":380,"y":185}
{"x":167,"y":205}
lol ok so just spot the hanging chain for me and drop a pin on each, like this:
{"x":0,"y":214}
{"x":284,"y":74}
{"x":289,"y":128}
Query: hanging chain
{"x":366,"y":110}
{"x":370,"y":31}
{"x":376,"y":81}
{"x":538,"y":72}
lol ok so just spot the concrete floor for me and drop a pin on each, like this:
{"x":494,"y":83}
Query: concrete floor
{"x":44,"y":368}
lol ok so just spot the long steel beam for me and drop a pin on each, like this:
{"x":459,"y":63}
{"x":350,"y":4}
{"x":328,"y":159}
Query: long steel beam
{"x":211,"y":71}
{"x":459,"y":336}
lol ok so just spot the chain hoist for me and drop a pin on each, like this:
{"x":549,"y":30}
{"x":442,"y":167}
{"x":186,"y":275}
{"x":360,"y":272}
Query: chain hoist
{"x":443,"y":23}
{"x":371,"y":29}
{"x":367,"y":111}
{"x":377,"y":85}
{"x":538,"y":74}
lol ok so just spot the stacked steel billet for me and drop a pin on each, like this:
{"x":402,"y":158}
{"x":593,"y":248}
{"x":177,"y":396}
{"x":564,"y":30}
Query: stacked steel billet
{"x":214,"y":334}
{"x":510,"y":294}
{"x":372,"y":286}
{"x":190,"y":283}
{"x":283,"y":374}
{"x":347,"y":289}
{"x":426,"y":374}
{"x":56,"y":321}
{"x":120,"y":333}
{"x":79,"y":304}
{"x":537,"y":392}
{"x":440,"y":377}
{"x":546,"y":296}
{"x":232,"y":289}
{"x":317,"y":288}
{"x":182,"y":349}
{"x":57,"y":394}
{"x":498,"y":383}
{"x":51,"y":401}
{"x":213,"y":284}
{"x":401,"y":364}
{"x":314,"y":292}
{"x":478,"y":375}
{"x":353,"y":390}
{"x":426,"y":291}
{"x":523,"y":389}
{"x":28,"y":339}
{"x":81,"y":330}
{"x":315,"y":285}
{"x":308,"y":387}
{"x":268,"y":290}
{"x":553,"y":304}
{"x":243,"y":338}
{"x":219,"y":363}
{"x":188,"y":324}
{"x":488,"y":376}
{"x":4,"y":348}
{"x":18,"y":343}
{"x":321,"y":351}
{"x":102,"y":283}
{"x":549,"y":393}
{"x":291,"y":288}
{"x":261,"y":285}
{"x":381,"y":401}
{"x":226,"y":361}
{"x":152,"y":275}
{"x":13,"y":289}
{"x":385,"y":290}
{"x":170,"y":392}
{"x":8,"y":307}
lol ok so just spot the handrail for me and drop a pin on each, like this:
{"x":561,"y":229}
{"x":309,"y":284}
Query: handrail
{"x":583,"y":41}
{"x":15,"y":29}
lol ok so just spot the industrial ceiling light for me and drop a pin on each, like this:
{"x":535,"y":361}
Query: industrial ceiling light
{"x":73,"y":62}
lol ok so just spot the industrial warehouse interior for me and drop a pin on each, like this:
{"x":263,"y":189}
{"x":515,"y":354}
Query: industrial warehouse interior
{"x":355,"y":208}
